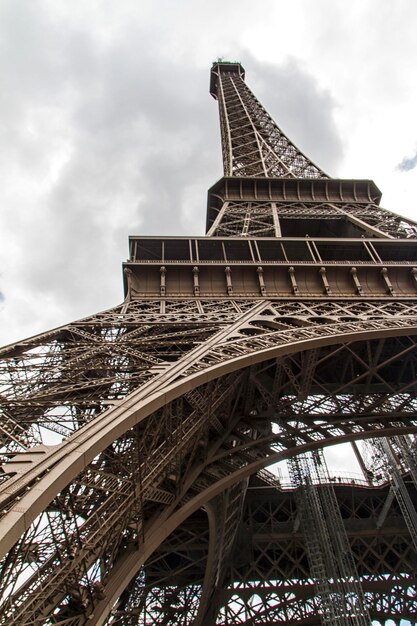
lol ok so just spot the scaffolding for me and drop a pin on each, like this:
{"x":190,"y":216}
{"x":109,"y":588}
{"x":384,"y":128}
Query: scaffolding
{"x":332,"y":565}
{"x":392,"y":459}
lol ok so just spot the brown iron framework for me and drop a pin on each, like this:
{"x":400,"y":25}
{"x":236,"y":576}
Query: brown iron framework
{"x":134,"y":442}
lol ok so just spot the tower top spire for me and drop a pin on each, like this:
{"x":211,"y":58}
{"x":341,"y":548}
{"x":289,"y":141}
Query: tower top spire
{"x":220,"y":66}
{"x":252,"y":143}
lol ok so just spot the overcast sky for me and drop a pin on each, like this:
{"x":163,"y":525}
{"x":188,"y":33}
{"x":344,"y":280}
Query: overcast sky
{"x":107,"y":128}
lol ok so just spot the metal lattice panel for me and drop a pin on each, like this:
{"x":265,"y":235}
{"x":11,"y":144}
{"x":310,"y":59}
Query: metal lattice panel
{"x":253,"y":145}
{"x":272,"y":219}
{"x":211,"y":432}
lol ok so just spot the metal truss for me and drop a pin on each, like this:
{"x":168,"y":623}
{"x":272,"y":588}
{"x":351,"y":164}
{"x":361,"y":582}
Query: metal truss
{"x":270,"y":219}
{"x":134,"y":442}
{"x":184,"y":453}
{"x":394,"y":459}
{"x":256,"y":219}
{"x":272,"y":582}
{"x":253,"y":145}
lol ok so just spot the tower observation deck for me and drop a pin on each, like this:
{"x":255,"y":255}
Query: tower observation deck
{"x":134,"y":443}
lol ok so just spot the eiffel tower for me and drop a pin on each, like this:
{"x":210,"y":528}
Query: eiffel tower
{"x":135,"y":442}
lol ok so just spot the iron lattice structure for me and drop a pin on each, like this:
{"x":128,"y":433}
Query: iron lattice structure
{"x":134,"y":442}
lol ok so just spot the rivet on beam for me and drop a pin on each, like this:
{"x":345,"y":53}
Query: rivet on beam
{"x":390,"y":288}
{"x":196,"y":272}
{"x":291,"y":272}
{"x":228,"y":273}
{"x":163,"y":272}
{"x":325,"y":281}
{"x":260,"y":272}
{"x":354,"y":273}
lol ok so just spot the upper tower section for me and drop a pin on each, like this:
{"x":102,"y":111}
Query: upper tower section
{"x":252,"y":144}
{"x":277,"y":225}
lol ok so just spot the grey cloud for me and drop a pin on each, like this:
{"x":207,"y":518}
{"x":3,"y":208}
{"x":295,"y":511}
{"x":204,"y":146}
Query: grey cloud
{"x":133,"y":165}
{"x":116,"y":137}
{"x":407,"y":164}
